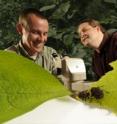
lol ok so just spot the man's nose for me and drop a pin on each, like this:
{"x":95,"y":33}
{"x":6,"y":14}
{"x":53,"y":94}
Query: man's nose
{"x":41,"y":38}
{"x":81,"y":34}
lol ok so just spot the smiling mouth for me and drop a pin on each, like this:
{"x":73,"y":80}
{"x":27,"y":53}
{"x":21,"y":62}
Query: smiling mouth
{"x":37,"y":44}
{"x":84,"y":38}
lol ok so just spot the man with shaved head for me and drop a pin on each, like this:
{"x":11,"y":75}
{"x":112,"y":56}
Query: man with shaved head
{"x":33,"y":28}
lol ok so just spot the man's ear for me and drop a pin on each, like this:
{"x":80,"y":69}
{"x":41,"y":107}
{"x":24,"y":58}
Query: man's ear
{"x":19,"y":28}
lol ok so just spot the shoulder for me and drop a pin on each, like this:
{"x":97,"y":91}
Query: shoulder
{"x":13,"y":48}
{"x":113,"y":38}
{"x":112,"y":33}
{"x":49,"y":49}
{"x":112,"y":42}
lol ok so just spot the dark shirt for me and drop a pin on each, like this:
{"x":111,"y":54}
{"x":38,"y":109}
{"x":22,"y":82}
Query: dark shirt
{"x":107,"y":54}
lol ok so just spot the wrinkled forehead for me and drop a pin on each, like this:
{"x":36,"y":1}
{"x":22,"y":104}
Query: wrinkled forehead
{"x":36,"y":20}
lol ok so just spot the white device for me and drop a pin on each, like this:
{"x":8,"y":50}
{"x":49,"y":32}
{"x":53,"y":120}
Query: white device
{"x":73,"y":72}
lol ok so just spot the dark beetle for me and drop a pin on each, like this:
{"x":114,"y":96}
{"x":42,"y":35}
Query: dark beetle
{"x":97,"y":93}
{"x":84,"y":95}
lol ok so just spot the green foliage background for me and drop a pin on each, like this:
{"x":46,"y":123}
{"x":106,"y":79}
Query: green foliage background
{"x":63,"y":16}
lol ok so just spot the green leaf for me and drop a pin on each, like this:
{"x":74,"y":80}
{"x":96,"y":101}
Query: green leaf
{"x":45,"y":8}
{"x":68,"y":39}
{"x":61,"y":11}
{"x":24,"y":85}
{"x":108,"y":83}
{"x":52,"y":31}
{"x":110,"y":1}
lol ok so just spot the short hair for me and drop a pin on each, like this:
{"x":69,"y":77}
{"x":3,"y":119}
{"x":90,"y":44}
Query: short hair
{"x":23,"y":17}
{"x":93,"y":23}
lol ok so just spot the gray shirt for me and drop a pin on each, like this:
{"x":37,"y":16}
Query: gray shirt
{"x":48,"y":59}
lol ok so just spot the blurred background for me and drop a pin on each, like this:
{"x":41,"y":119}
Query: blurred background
{"x":63,"y":16}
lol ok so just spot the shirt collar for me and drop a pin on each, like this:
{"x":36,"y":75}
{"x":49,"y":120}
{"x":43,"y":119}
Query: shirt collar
{"x":104,"y":41}
{"x":25,"y":53}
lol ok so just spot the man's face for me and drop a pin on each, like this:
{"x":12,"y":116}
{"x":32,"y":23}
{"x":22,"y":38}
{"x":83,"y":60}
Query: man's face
{"x":35,"y":36}
{"x":88,"y":34}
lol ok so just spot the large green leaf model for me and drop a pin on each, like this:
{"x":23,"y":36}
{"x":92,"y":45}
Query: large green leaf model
{"x":108,"y":84}
{"x":24,"y":85}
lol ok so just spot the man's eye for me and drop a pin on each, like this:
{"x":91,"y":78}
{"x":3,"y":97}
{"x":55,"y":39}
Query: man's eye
{"x":35,"y":32}
{"x":85,"y":30}
{"x":46,"y":33}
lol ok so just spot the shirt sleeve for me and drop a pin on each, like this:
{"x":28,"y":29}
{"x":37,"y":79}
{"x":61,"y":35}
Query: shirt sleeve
{"x":56,"y":62}
{"x":114,"y":39}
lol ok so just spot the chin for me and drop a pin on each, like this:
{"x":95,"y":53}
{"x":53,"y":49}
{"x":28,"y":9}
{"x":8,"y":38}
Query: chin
{"x":39,"y":50}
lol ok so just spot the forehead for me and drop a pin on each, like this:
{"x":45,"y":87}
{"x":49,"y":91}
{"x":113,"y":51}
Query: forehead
{"x":37,"y":22}
{"x":83,"y":26}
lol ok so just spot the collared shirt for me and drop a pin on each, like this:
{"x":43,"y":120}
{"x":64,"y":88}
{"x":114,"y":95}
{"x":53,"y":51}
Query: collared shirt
{"x":44,"y":59}
{"x":107,"y":53}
